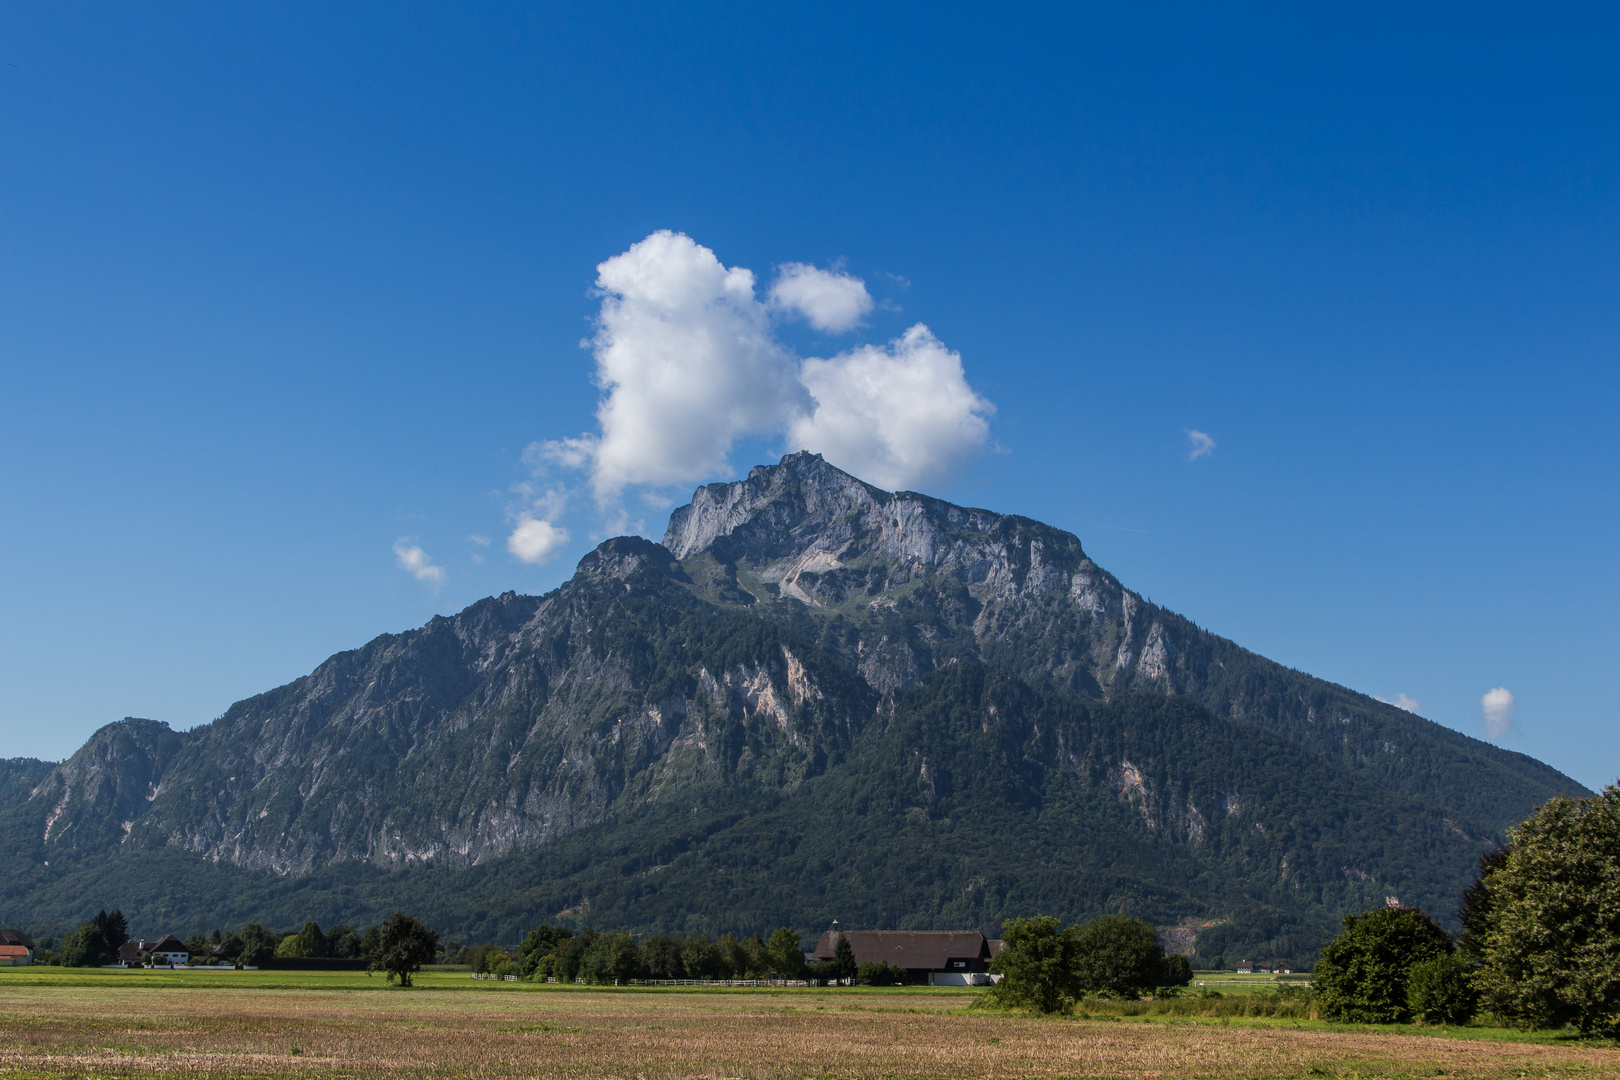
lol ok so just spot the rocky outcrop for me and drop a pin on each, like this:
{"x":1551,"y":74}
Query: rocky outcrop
{"x":89,"y":802}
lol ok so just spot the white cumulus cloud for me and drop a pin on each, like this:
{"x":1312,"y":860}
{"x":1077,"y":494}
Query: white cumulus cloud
{"x":897,"y":415}
{"x":414,"y":561}
{"x":1498,"y":708}
{"x":828,"y":301}
{"x":536,"y":540}
{"x":688,"y":362}
{"x":1401,"y":701}
{"x":1203,"y":445}
{"x":686,"y":357}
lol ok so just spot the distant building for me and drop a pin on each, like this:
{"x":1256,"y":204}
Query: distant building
{"x":1245,"y":967}
{"x":15,"y":956}
{"x":129,"y":953}
{"x":168,"y":950}
{"x":923,"y":953}
{"x":17,"y":937}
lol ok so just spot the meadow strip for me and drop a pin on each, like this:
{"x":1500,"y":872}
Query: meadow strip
{"x":241,"y":1031}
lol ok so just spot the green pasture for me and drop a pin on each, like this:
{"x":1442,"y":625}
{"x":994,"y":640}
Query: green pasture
{"x":1236,"y":1006}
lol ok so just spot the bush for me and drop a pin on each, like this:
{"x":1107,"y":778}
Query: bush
{"x":1362,"y":975}
{"x":1440,"y":990}
{"x":1173,"y":971}
{"x":881,"y":973}
{"x":484,"y":958}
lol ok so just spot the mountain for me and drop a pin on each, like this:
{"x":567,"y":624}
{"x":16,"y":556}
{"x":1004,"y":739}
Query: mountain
{"x":814,"y":699}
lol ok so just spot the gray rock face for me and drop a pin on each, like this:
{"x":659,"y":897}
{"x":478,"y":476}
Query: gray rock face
{"x":518,"y":721}
{"x":906,"y":584}
{"x":90,"y":801}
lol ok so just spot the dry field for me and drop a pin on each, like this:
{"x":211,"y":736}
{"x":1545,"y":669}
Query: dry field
{"x":230,"y":1030}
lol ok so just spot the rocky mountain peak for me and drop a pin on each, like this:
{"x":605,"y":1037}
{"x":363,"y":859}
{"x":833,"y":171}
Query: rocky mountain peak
{"x":778,"y":510}
{"x":805,"y":516}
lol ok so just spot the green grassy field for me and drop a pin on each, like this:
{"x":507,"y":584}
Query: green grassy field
{"x":137,"y":1023}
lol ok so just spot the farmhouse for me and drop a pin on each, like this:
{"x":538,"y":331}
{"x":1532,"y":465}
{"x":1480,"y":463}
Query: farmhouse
{"x":927,"y":955}
{"x":168,"y":950}
{"x":17,"y":937}
{"x":14,"y":956}
{"x":129,"y":954}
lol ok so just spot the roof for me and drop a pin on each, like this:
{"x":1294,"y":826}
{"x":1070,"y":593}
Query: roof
{"x":129,"y":950}
{"x":13,"y":950}
{"x":168,"y":943}
{"x":930,"y":950}
{"x":16,"y":937}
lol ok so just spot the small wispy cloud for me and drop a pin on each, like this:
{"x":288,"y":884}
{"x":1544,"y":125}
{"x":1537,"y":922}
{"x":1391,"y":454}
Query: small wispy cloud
{"x":1498,"y":708}
{"x":1400,"y":701}
{"x":1203,"y":444}
{"x":414,"y":561}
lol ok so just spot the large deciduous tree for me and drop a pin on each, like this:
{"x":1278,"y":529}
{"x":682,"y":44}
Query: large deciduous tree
{"x":1546,"y":918}
{"x":785,"y":954}
{"x":1037,"y":964}
{"x":1362,"y":976}
{"x":403,"y":946}
{"x":1118,"y":956}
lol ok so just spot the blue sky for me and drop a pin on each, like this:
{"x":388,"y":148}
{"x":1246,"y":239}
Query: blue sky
{"x":288,"y":288}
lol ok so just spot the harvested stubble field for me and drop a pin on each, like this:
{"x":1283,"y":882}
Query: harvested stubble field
{"x":206,"y":1025}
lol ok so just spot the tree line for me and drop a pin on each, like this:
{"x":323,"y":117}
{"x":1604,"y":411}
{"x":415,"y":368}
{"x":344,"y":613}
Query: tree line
{"x":1540,"y":941}
{"x":1539,"y":947}
{"x":556,"y":952}
{"x":400,"y":946}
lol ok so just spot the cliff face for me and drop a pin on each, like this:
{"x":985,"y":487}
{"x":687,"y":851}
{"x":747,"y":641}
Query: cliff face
{"x":515,"y":722}
{"x":764,"y":656}
{"x":89,"y":803}
{"x":901,"y":585}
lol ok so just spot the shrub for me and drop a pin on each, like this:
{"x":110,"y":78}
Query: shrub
{"x":881,"y":973}
{"x":1362,"y":975}
{"x":1440,"y":990}
{"x":1173,"y":971}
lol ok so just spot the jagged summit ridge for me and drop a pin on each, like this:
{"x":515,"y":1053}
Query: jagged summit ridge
{"x":804,"y":516}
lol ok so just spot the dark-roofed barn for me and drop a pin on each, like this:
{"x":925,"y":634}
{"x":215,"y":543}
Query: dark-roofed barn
{"x":921,"y":952}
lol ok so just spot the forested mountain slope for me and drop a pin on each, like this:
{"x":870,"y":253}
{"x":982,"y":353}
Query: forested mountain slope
{"x":814,"y":700}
